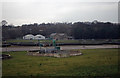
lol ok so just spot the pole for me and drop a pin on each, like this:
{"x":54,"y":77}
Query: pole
{"x":39,"y":44}
{"x":6,"y":46}
{"x":54,"y":43}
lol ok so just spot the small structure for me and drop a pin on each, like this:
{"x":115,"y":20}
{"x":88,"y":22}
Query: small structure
{"x":28,"y":37}
{"x":5,"y":56}
{"x":32,"y":37}
{"x":39,"y":37}
{"x":55,"y":52}
{"x":59,"y":36}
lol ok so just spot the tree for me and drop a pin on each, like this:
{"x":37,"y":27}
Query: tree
{"x":4,"y":22}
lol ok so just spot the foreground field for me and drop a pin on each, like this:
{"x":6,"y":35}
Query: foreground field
{"x":93,"y":62}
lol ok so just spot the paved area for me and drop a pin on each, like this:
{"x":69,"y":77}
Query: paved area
{"x":89,"y":47}
{"x":27,"y":48}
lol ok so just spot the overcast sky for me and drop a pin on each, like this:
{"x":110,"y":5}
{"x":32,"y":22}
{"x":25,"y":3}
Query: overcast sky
{"x":23,"y":12}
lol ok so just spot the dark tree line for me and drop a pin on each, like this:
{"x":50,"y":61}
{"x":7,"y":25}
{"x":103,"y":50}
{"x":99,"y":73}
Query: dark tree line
{"x":96,"y":31}
{"x":79,"y":30}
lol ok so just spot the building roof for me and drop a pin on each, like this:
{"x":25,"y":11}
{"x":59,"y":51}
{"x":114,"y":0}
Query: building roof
{"x":58,"y":34}
{"x":29,"y":35}
{"x":53,"y":34}
{"x":38,"y":35}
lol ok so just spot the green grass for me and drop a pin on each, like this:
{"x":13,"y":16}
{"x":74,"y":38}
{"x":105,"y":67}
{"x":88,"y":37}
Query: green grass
{"x":93,"y":62}
{"x":88,"y":41}
{"x":42,"y":41}
{"x":21,"y":40}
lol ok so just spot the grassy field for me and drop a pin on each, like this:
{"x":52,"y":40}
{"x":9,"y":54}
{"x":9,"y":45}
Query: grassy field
{"x":93,"y":62}
{"x":43,"y":41}
{"x":88,"y":41}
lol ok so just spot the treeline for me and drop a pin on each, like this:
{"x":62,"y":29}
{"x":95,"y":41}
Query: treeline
{"x":78,"y":30}
{"x":96,"y":31}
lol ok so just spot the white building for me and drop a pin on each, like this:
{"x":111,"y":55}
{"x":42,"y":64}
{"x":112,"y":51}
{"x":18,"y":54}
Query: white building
{"x":32,"y":37}
{"x":59,"y":36}
{"x":28,"y":37}
{"x":39,"y":37}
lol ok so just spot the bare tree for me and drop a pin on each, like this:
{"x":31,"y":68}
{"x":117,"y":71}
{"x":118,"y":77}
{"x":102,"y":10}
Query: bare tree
{"x":4,"y":22}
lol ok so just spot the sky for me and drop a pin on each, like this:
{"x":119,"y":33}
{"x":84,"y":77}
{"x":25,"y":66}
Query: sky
{"x":18,"y":12}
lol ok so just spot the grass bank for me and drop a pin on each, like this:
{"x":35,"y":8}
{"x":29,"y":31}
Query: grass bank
{"x":93,"y":62}
{"x":66,"y":41}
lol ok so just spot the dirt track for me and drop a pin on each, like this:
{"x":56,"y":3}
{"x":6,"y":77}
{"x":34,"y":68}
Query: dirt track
{"x":27,"y":48}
